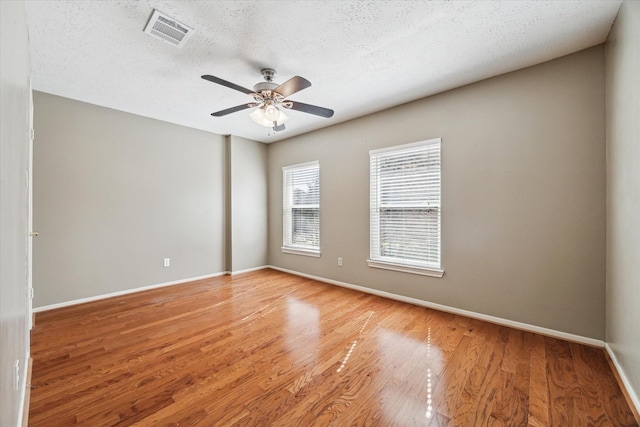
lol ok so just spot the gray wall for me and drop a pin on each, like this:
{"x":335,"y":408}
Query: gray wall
{"x":14,"y":145}
{"x":114,"y":194}
{"x":623,"y":191}
{"x":523,"y":195}
{"x":248,"y":195}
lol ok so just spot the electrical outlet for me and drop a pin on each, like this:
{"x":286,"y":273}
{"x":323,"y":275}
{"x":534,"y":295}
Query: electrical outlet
{"x":167,"y":262}
{"x":339,"y":262}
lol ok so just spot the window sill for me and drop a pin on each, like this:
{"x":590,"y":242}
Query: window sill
{"x":424,"y":271}
{"x":300,"y":251}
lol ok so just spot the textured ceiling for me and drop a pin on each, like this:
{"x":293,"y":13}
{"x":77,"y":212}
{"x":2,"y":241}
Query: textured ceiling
{"x":360,"y":56}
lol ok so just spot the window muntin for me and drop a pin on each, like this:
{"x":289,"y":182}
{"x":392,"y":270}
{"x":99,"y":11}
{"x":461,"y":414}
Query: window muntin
{"x":405,"y":208}
{"x":301,"y":209}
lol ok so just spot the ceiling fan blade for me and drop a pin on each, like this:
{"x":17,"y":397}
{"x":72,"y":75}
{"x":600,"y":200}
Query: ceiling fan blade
{"x":234,"y":109}
{"x":308,"y":108}
{"x":293,"y":85}
{"x":230,"y":85}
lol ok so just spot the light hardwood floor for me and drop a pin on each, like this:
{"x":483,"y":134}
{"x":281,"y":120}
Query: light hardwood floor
{"x":268,"y":348}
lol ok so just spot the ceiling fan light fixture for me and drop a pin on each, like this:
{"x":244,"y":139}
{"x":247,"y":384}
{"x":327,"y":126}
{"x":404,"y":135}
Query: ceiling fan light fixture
{"x":282,"y":117}
{"x":260,"y":117}
{"x":271,"y":112}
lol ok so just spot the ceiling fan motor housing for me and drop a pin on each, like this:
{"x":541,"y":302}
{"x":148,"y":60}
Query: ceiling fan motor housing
{"x":268,"y":84}
{"x":264,"y":86}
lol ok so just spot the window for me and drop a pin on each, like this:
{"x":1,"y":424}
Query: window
{"x":405,"y":208}
{"x":301,"y":209}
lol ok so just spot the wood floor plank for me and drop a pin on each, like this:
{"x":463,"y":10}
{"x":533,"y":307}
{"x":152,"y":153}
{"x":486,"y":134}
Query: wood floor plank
{"x":538,"y":388}
{"x":522,"y":342}
{"x":270,"y":349}
{"x":606,"y":384}
{"x":564,"y":390}
{"x":587,"y":380}
{"x":469,"y":409}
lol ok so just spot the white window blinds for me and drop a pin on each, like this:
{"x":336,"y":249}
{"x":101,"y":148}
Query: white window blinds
{"x":405,"y":208}
{"x":301,"y":209}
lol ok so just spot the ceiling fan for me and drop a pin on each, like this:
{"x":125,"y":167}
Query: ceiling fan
{"x":270,"y":97}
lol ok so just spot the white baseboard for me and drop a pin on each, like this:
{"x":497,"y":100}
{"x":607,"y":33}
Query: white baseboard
{"x":492,"y":319}
{"x":125,"y":292}
{"x":627,"y":384}
{"x":248,"y":270}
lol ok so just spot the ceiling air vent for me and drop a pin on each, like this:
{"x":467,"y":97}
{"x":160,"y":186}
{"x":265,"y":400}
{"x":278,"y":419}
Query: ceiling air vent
{"x":168,"y":29}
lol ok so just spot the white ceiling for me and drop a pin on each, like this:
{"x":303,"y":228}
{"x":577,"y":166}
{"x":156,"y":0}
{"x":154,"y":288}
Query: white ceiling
{"x":360,"y":56}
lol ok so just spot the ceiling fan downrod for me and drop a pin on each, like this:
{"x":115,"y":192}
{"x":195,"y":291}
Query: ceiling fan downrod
{"x":268,"y":74}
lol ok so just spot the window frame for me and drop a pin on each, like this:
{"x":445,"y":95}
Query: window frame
{"x":376,"y":259}
{"x":288,"y":206}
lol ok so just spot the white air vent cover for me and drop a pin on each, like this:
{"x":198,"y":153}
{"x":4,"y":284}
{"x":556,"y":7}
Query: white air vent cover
{"x":168,"y":29}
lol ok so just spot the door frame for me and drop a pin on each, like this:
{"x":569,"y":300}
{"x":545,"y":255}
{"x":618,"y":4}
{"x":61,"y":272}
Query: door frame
{"x":30,"y":214}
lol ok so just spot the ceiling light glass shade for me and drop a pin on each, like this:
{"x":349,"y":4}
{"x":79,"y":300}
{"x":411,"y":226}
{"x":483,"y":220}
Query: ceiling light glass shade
{"x":271,"y":113}
{"x":282,"y":117}
{"x":260,"y":117}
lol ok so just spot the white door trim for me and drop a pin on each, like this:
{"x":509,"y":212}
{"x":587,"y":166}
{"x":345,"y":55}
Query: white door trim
{"x":30,"y":214}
